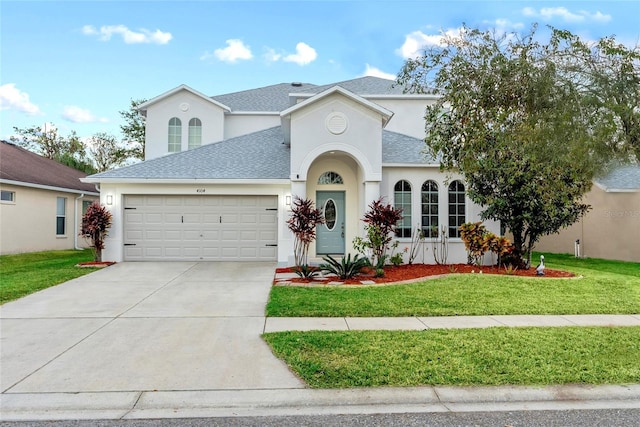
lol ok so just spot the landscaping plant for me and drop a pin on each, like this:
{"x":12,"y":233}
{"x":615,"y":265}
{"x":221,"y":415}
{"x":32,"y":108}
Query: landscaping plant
{"x":302,"y":223}
{"x":95,"y":226}
{"x":345,"y":268}
{"x":380,"y":220}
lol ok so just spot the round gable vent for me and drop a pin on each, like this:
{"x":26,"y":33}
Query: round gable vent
{"x":336,"y":123}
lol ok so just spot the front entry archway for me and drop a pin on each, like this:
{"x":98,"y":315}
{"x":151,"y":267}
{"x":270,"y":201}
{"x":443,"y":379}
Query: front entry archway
{"x":330,"y":235}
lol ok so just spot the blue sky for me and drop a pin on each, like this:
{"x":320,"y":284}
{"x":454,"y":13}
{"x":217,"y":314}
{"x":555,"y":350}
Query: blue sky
{"x":77,"y":63}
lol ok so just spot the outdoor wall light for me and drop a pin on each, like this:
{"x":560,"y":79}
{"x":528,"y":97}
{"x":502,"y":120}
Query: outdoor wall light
{"x":287,"y":200}
{"x":109,"y":199}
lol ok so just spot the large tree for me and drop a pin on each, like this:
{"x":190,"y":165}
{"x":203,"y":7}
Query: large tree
{"x":47,"y":142}
{"x":107,"y":152}
{"x":134,"y":129}
{"x":515,"y":124}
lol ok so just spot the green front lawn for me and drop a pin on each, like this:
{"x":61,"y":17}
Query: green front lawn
{"x":23,"y":274}
{"x":606,"y":287}
{"x":462,"y":357}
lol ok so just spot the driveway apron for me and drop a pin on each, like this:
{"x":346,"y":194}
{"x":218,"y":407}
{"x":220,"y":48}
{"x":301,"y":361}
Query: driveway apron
{"x":144,"y":326}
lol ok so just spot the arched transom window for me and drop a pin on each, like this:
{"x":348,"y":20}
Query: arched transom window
{"x":402,"y":200}
{"x":330,"y":178}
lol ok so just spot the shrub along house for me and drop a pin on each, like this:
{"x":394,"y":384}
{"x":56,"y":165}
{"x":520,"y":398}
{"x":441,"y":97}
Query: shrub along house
{"x":42,"y":202}
{"x":220,"y":173}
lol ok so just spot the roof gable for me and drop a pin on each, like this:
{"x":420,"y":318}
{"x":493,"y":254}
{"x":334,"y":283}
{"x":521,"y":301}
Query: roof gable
{"x":145,"y":105}
{"x":20,"y":166}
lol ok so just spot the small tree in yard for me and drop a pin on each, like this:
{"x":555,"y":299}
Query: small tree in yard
{"x":95,"y":225}
{"x":304,"y":219}
{"x":380,"y":220}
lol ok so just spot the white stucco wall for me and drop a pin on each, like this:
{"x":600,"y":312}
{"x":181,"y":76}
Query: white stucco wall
{"x":159,"y":114}
{"x":238,"y":124}
{"x":408,"y":117}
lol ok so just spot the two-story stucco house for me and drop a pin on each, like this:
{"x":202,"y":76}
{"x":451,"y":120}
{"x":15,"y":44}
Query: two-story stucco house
{"x":220,"y":173}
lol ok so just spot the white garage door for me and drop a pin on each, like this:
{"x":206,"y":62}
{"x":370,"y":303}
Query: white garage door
{"x":198,"y":228}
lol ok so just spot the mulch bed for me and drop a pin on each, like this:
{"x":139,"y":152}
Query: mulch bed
{"x":95,"y":264}
{"x":407,"y":272}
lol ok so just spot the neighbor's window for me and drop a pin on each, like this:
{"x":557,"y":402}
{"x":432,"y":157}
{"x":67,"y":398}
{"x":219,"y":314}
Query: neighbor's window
{"x":85,"y":205}
{"x":402,"y":200}
{"x":430,"y":209}
{"x":330,"y":178}
{"x":195,"y":133}
{"x":8,"y":196}
{"x":61,"y":216}
{"x":457,"y":213}
{"x":175,"y":135}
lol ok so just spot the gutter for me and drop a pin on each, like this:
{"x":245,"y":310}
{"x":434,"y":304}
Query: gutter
{"x":75,"y":222}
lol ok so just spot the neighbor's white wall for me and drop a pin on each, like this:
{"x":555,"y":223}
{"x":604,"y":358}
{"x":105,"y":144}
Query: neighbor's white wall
{"x":29,"y":223}
{"x":159,"y":114}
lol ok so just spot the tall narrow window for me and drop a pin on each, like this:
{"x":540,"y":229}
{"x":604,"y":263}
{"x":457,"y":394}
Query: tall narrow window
{"x":61,"y":216}
{"x":175,"y":135}
{"x":430,"y":209}
{"x":457,"y":213}
{"x":195,"y":133}
{"x":402,"y":199}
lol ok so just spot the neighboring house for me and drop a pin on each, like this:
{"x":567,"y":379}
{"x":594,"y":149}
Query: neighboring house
{"x":611,"y":229}
{"x":42,"y":202}
{"x":220,"y":173}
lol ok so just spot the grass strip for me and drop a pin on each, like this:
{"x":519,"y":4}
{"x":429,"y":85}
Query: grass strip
{"x":606,"y":287}
{"x":462,"y":357}
{"x":23,"y":274}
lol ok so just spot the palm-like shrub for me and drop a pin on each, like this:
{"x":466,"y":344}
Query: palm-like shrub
{"x":345,"y":268}
{"x":380,"y":220}
{"x":304,"y":219}
{"x":95,"y":225}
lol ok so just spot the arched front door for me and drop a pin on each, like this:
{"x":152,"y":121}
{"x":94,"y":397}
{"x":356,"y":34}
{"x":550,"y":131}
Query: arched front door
{"x":330,"y":235}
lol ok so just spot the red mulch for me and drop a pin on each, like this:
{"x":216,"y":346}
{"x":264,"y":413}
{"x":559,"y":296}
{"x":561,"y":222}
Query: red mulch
{"x":416,"y":271}
{"x":95,"y":264}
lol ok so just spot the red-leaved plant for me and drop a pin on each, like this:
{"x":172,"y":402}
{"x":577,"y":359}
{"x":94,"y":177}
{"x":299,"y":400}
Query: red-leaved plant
{"x":302,"y":223}
{"x":95,"y":225}
{"x":380,"y":220}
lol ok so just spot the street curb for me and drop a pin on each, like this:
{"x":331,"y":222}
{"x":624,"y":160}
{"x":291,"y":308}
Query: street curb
{"x":219,"y":403}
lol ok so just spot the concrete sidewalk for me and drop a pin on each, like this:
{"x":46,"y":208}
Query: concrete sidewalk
{"x":277,"y":324}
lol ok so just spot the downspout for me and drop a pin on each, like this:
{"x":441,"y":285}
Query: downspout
{"x":75,"y":222}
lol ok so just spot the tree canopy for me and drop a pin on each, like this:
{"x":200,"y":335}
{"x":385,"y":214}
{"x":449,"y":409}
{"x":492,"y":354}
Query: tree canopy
{"x":525,"y":127}
{"x":133,"y":128}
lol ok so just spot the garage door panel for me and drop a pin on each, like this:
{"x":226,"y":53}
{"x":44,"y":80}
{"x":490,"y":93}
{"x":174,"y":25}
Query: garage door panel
{"x":189,"y":228}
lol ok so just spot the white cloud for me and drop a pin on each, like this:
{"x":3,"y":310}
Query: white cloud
{"x":376,"y":72}
{"x":235,"y":50}
{"x":417,"y":41}
{"x":80,"y":115}
{"x":12,"y":98}
{"x":304,"y":55}
{"x":549,"y":13}
{"x":271,"y":55}
{"x":130,"y":37}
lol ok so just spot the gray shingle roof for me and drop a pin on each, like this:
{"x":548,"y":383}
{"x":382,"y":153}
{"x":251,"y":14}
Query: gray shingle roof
{"x":621,"y":178}
{"x":276,"y":97}
{"x":404,"y":149}
{"x":270,"y":98}
{"x":259,"y":155}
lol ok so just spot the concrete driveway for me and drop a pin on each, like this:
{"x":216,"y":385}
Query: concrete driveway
{"x":141,"y":327}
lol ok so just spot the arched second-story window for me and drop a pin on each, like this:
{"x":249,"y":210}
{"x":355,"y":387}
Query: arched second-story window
{"x":402,"y":200}
{"x":195,"y":133}
{"x":175,"y":135}
{"x":330,"y":178}
{"x":430,"y":222}
{"x":457,"y":209}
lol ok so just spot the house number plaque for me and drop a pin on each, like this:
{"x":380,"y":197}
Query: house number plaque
{"x":200,"y":190}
